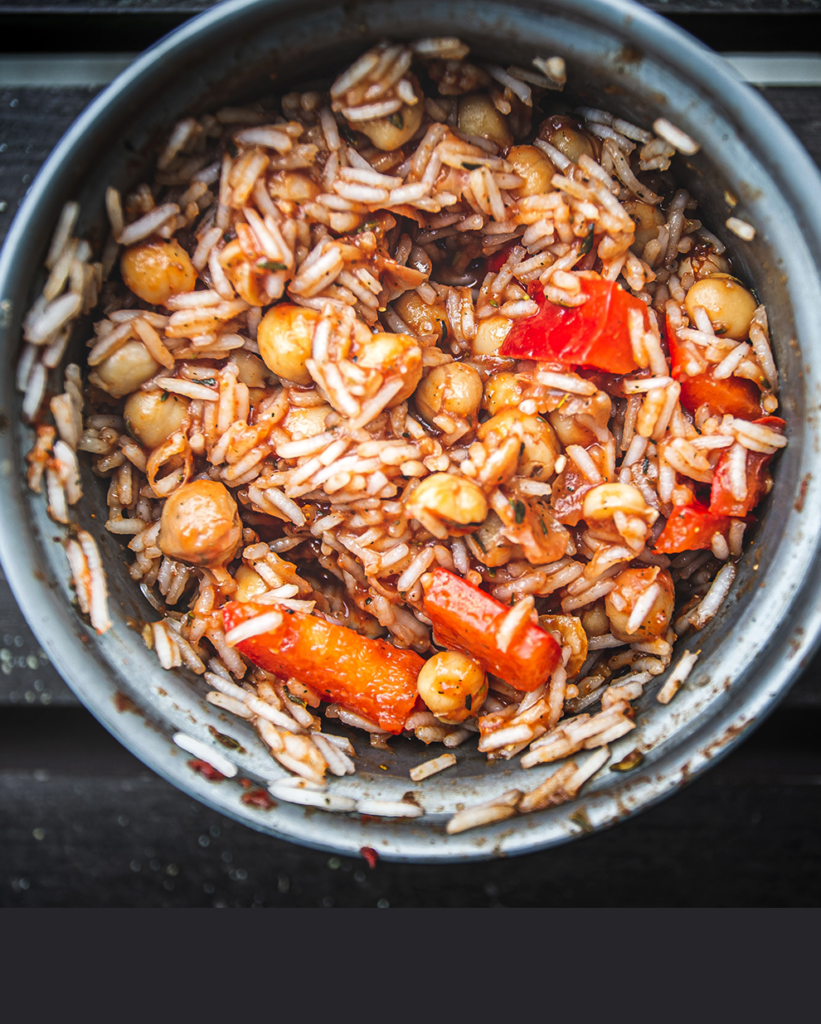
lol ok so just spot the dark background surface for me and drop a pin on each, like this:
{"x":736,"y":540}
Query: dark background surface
{"x":83,"y":823}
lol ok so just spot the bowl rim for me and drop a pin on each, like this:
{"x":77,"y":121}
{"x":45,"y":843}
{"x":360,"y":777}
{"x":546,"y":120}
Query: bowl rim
{"x":60,"y":631}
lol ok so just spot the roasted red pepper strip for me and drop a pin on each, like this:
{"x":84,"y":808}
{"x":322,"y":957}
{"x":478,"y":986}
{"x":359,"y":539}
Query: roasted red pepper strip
{"x":467,"y":619}
{"x":690,"y":528}
{"x":371,"y":677}
{"x":594,"y":334}
{"x":735,"y":396}
{"x":722,"y":501}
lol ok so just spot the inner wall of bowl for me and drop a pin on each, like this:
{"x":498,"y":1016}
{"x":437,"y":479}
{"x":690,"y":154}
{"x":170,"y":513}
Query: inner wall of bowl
{"x":269,"y":48}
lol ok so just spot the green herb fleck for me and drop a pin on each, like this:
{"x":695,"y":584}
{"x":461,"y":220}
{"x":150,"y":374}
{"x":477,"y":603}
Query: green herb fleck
{"x":544,"y":528}
{"x":164,"y":398}
{"x":367,"y":226}
{"x":491,"y":572}
{"x":587,"y":244}
{"x":271,"y":265}
{"x":494,"y":303}
{"x":519,"y":511}
{"x":479,"y":543}
{"x":206,"y":380}
{"x":444,"y":334}
{"x":347,"y":134}
{"x":645,"y":466}
{"x":471,"y":167}
{"x":292,"y":697}
{"x":397,"y":120}
{"x":368,"y":600}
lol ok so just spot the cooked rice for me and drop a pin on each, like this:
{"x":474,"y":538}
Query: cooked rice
{"x":305,"y":206}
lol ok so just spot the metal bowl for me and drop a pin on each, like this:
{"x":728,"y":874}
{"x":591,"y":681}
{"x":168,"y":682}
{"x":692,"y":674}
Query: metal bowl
{"x":619,"y":56}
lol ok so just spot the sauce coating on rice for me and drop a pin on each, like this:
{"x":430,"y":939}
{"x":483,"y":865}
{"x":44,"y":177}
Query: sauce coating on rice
{"x":429,"y":365}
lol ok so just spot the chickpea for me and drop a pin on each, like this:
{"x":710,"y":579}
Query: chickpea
{"x":729,"y":305}
{"x":252,"y":371}
{"x":631,"y":585}
{"x":451,"y":504}
{"x":124,"y":370}
{"x":248,"y":282}
{"x":419,"y":316}
{"x":604,"y":500}
{"x":153,"y":416}
{"x":502,"y":391}
{"x":200,"y":524}
{"x":155,"y":271}
{"x":568,"y":137}
{"x":453,"y":686}
{"x":478,"y":116}
{"x":295,"y":186}
{"x":390,"y":354}
{"x":594,"y":619}
{"x":571,"y":430}
{"x":489,"y":544}
{"x":709,"y":263}
{"x":306,"y":422}
{"x":454,"y":389}
{"x":250,"y":585}
{"x":535,"y":167}
{"x":571,"y":631}
{"x":389,"y":133}
{"x":490,"y":334}
{"x":648,"y":221}
{"x":285,"y":336}
{"x":539,"y":448}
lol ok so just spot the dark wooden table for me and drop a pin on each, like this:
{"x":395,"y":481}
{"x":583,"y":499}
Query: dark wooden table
{"x":83,"y":823}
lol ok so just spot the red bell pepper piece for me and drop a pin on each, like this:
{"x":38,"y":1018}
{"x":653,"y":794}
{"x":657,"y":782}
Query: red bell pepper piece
{"x":371,"y":677}
{"x":497,"y":260}
{"x":593,"y":334}
{"x":467,"y":619}
{"x":691,"y":528}
{"x":722,"y":501}
{"x":735,"y":396}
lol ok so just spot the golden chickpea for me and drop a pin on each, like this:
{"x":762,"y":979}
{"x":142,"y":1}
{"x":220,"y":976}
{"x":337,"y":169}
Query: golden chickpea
{"x":594,"y":619}
{"x":490,"y":334}
{"x":153,"y":416}
{"x":454,"y":389}
{"x":489,"y":545}
{"x":455,"y":504}
{"x":285,"y":336}
{"x":200,"y":524}
{"x":571,"y":430}
{"x":648,"y":220}
{"x":306,"y":422}
{"x":453,"y":686}
{"x":729,"y":305}
{"x":571,"y":631}
{"x":502,"y":391}
{"x":250,"y":585}
{"x":537,"y":455}
{"x":478,"y":116}
{"x":252,"y":371}
{"x":389,"y":133}
{"x":535,"y":167}
{"x":631,"y":586}
{"x":295,"y":186}
{"x":124,"y":370}
{"x":604,"y":500}
{"x":391,"y":354}
{"x":568,"y":137}
{"x":709,"y":263}
{"x":419,"y":316}
{"x":157,"y":270}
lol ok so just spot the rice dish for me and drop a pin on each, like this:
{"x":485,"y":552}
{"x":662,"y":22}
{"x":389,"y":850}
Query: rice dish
{"x":427,"y":405}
